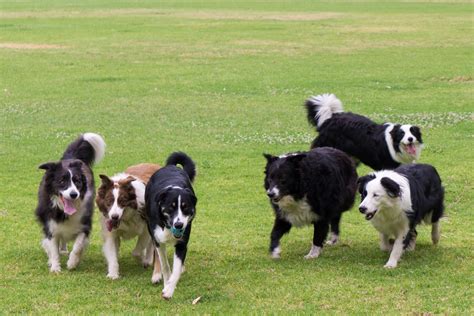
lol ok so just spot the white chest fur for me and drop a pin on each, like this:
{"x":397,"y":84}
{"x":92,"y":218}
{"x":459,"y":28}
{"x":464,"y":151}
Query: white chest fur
{"x":164,"y":236}
{"x":68,"y":229}
{"x":391,"y":222}
{"x":298,"y":213}
{"x":131,"y":225}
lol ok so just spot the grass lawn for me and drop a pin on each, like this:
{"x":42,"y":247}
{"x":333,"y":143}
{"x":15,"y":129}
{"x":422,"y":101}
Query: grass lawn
{"x":225,"y":82}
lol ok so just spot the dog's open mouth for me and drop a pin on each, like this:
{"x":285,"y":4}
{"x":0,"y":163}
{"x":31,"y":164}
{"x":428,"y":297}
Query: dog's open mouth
{"x":112,"y":224}
{"x":69,"y":207}
{"x":369,"y":216}
{"x":410,"y":149}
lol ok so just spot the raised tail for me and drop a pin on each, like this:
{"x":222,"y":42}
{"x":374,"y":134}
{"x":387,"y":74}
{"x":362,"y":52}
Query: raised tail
{"x":184,"y":160}
{"x":89,"y":147}
{"x":321,"y":107}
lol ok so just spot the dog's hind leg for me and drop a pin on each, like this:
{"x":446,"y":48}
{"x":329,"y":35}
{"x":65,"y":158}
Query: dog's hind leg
{"x":165,"y":266}
{"x":385,"y":244}
{"x":63,"y":247}
{"x":141,"y":249}
{"x":79,"y":244}
{"x":435,"y":233}
{"x":156,"y":276}
{"x":334,"y":238}
{"x":321,"y":228}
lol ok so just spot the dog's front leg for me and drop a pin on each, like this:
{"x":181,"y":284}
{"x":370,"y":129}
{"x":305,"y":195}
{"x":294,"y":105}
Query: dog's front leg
{"x":280,"y":227}
{"x":396,"y":253}
{"x":110,"y":248}
{"x":51,"y":246}
{"x":79,"y":244}
{"x":156,"y":276}
{"x":385,"y":242}
{"x":178,"y":261}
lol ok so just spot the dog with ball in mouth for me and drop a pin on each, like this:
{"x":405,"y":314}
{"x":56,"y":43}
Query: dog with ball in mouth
{"x":170,"y":205}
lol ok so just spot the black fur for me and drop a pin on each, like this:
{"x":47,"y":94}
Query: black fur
{"x":358,"y":136}
{"x":325,"y":177}
{"x":161,"y":196}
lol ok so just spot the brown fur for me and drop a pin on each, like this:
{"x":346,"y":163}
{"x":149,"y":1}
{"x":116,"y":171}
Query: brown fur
{"x":143,"y":171}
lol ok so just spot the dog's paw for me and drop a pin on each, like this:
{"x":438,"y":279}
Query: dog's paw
{"x":156,"y":278}
{"x":55,"y":268}
{"x":314,"y":252}
{"x":333,"y":240}
{"x":167,"y":292}
{"x":113,"y":275}
{"x":72,"y":262}
{"x":276,"y":253}
{"x":390,"y":265}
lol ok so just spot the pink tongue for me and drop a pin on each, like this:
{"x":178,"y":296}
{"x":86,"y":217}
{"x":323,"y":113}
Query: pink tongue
{"x":69,"y":207}
{"x":109,"y":225}
{"x":411,"y":149}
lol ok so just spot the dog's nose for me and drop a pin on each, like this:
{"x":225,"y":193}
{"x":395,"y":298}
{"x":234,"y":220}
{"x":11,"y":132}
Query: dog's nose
{"x":363,"y":209}
{"x":114,"y":217}
{"x":410,"y":139}
{"x":271,"y":194}
{"x":73,"y":195}
{"x":178,"y":225}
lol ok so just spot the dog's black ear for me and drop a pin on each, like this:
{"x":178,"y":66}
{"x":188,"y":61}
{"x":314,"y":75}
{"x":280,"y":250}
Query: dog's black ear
{"x":161,"y":196}
{"x":296,"y":159}
{"x":48,"y":166}
{"x":362,"y":181}
{"x":391,"y":187}
{"x":106,"y":180}
{"x":192,"y":196}
{"x":415,"y":130}
{"x":270,"y":158}
{"x":76,"y":164}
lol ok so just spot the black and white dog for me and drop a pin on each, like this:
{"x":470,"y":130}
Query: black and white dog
{"x":309,"y":188}
{"x":395,"y":201}
{"x":379,"y":146}
{"x":66,"y":199}
{"x":170,"y":205}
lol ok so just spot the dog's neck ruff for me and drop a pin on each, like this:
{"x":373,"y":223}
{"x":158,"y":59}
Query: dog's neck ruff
{"x":398,"y":157}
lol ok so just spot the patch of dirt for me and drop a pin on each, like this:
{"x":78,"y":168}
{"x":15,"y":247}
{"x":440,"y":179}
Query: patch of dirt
{"x":30,"y":46}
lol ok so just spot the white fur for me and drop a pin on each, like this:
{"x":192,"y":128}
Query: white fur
{"x":131,"y":226}
{"x":276,"y":253}
{"x":298,"y":213}
{"x":390,"y":217}
{"x":402,"y":156}
{"x":97,"y":142}
{"x":71,"y":189}
{"x":181,"y":217}
{"x":314,"y":252}
{"x":327,"y":104}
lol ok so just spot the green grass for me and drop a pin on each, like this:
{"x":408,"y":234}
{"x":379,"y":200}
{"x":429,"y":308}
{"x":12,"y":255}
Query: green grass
{"x":224,"y":82}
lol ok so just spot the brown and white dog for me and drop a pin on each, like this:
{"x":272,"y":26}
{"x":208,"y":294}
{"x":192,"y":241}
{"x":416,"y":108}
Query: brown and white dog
{"x":121,"y":200}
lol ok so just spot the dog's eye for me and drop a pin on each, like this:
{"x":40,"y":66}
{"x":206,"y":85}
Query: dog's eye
{"x":375,"y":195}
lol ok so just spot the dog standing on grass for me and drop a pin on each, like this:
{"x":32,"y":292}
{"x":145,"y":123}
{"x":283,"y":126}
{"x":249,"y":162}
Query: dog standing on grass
{"x":121,"y":200}
{"x":66,"y":199}
{"x":170,"y":209}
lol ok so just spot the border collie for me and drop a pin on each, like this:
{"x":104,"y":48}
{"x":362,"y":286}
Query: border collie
{"x":309,"y":188}
{"x":395,"y":201}
{"x":66,"y":199}
{"x":170,"y":209}
{"x":121,"y":200}
{"x":385,"y":146}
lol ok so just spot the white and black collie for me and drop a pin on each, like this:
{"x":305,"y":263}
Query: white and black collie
{"x":170,"y":209}
{"x":379,"y":146}
{"x":309,"y":188}
{"x":395,"y":201}
{"x":121,"y":200}
{"x":66,"y":199}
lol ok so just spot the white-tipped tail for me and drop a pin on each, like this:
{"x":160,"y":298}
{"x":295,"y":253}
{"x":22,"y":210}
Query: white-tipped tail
{"x":98,"y":143}
{"x":325,"y":105}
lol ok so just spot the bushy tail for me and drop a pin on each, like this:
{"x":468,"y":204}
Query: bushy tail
{"x":184,"y":160}
{"x":321,"y":107}
{"x":89,"y":147}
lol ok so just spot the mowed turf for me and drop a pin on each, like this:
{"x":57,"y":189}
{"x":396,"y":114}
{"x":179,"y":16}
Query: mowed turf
{"x":225,"y":82}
